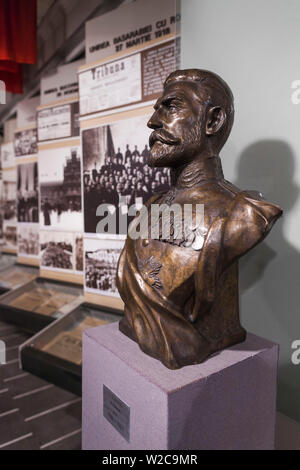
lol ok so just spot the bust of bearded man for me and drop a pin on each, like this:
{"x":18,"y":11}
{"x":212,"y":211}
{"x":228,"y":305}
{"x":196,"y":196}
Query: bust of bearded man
{"x":181,"y":293}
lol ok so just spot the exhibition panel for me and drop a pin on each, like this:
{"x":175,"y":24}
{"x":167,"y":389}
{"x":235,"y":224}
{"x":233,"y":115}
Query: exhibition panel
{"x":59,"y":155}
{"x":26,"y":159}
{"x":118,"y":86}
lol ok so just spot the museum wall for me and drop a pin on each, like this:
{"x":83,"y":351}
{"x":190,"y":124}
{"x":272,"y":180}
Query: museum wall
{"x":81,"y":144}
{"x":254,"y":46}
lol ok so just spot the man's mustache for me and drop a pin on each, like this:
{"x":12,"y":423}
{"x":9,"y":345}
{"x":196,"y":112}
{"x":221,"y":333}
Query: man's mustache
{"x":164,"y":137}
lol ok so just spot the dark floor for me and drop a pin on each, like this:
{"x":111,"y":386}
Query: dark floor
{"x":34,"y":414}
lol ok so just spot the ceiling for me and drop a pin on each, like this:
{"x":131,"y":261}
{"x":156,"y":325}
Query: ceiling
{"x":42,"y":7}
{"x":61,"y":39}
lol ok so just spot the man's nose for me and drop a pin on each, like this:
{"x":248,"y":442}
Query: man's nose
{"x":154,"y":122}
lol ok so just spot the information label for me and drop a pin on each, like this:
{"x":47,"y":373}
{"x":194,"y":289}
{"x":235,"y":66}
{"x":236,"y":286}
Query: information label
{"x":111,"y":85}
{"x":157,"y":63}
{"x":116,"y":412}
{"x":54,"y":123}
{"x":58,"y":122}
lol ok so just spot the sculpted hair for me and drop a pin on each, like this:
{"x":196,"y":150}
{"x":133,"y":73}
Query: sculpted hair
{"x":217,"y":92}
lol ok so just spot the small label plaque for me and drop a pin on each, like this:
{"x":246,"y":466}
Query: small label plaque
{"x":2,"y":352}
{"x":116,"y":412}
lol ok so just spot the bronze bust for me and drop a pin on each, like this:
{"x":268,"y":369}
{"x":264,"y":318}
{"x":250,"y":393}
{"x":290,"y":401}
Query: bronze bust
{"x":181,"y":299}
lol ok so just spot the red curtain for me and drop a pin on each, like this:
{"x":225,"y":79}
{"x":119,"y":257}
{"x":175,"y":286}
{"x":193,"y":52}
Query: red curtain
{"x":18,"y":40}
{"x":11,"y":74}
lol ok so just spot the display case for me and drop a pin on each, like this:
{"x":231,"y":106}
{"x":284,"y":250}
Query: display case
{"x":6,"y":260}
{"x":55,"y":354}
{"x":14,"y":275}
{"x":38,"y":303}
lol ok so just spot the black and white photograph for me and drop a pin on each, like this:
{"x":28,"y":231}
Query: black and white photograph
{"x":60,"y":189}
{"x":9,"y":195}
{"x":26,"y":143}
{"x":28,"y":240}
{"x":7,"y":155}
{"x":79,"y":252}
{"x":111,"y":85}
{"x":27,"y":193}
{"x":9,"y":236}
{"x":115,"y":165}
{"x":101,"y":259}
{"x":57,"y":251}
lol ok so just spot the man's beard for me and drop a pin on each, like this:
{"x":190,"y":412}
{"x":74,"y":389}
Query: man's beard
{"x":167,"y":151}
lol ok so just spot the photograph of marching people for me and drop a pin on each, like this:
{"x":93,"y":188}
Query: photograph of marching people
{"x":60,"y":187}
{"x":101,"y":259}
{"x":57,"y":250}
{"x":115,"y":165}
{"x":9,"y":187}
{"x":26,"y":143}
{"x":28,"y":240}
{"x":27,"y":192}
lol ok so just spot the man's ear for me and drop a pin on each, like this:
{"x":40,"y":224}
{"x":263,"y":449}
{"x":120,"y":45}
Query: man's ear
{"x":216,"y":117}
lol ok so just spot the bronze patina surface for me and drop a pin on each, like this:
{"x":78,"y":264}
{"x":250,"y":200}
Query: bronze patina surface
{"x":181,"y":299}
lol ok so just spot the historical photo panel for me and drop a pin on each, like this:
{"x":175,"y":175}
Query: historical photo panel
{"x":60,"y":188}
{"x":57,"y":251}
{"x":28,"y":240}
{"x":27,"y":193}
{"x":130,"y":80}
{"x":115,"y":170}
{"x":101,"y":259}
{"x":26,"y":143}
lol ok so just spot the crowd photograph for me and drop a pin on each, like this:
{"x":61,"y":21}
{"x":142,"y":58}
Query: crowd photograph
{"x":56,"y":250}
{"x":27,"y":193}
{"x":26,"y":143}
{"x":101,"y":259}
{"x":60,"y":186}
{"x":115,"y":166}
